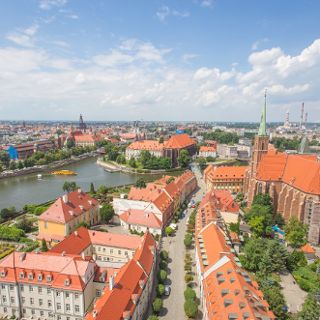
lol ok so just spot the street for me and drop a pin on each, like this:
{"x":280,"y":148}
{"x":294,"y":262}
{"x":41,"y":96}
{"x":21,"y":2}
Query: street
{"x":173,"y":305}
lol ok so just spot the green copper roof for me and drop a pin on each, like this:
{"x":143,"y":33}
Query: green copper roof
{"x":263,"y":125}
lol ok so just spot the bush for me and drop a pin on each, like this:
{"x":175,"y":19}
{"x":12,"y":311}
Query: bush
{"x":164,"y":255}
{"x":190,"y":294}
{"x":188,"y":240}
{"x":153,"y":317}
{"x":163,"y":264}
{"x":188,"y":278}
{"x":10,"y":233}
{"x":160,"y":290}
{"x":191,"y":308}
{"x":169,"y":231}
{"x":162,"y":276}
{"x":157,"y":305}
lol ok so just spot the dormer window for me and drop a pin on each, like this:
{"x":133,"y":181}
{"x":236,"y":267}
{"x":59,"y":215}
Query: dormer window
{"x":21,"y":275}
{"x":40,"y":277}
{"x":3,"y":273}
{"x":67,"y":282}
{"x":49,"y":278}
{"x":30,"y":276}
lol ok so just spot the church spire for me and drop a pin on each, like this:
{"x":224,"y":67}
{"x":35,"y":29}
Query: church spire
{"x":263,"y":126}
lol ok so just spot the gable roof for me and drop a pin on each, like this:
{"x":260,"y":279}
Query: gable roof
{"x":179,"y":141}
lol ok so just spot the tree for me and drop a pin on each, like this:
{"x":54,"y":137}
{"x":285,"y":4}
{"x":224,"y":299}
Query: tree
{"x":296,"y":259}
{"x":140,"y":183}
{"x":191,"y":308}
{"x":164,"y":255}
{"x":189,"y":294}
{"x":153,"y":317}
{"x":234,"y":227}
{"x":44,"y":247}
{"x":161,"y":139}
{"x":20,"y":165}
{"x":157,"y":305}
{"x":184,"y":159}
{"x":162,"y":276}
{"x":121,"y":159}
{"x":7,"y":213}
{"x":13,"y":165}
{"x":257,"y":225}
{"x":4,"y":158}
{"x":171,"y":179}
{"x":188,"y":240}
{"x":107,"y":212}
{"x":296,"y":233}
{"x":69,"y":186}
{"x":92,"y":190}
{"x":160,"y":289}
{"x":169,"y":231}
{"x":132,"y":163}
{"x":310,"y":308}
{"x":24,"y":224}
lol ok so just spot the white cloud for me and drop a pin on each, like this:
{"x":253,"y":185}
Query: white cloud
{"x":49,"y":4}
{"x":187,"y":57}
{"x":206,"y":3}
{"x":255,"y":46}
{"x":23,"y":37}
{"x":164,"y":12}
{"x":135,"y":79}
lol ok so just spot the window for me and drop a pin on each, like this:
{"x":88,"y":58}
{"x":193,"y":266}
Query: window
{"x":58,"y":306}
{"x":104,"y":249}
{"x":39,"y":277}
{"x":77,"y":308}
{"x":39,"y":289}
{"x":23,"y":299}
{"x":98,"y":293}
{"x":49,"y":278}
{"x":76,"y":296}
{"x":12,"y":299}
{"x":111,"y":251}
{"x":30,"y":276}
{"x":59,"y":317}
{"x":67,"y":294}
{"x":23,"y":311}
{"x":46,"y":224}
{"x":99,"y":248}
{"x":5,"y":309}
{"x":11,"y":287}
{"x":40,"y":302}
{"x":31,"y":300}
{"x":126,"y":253}
{"x":41,"y":313}
{"x":4,"y":299}
{"x":33,"y":311}
{"x":58,"y":293}
{"x":3,"y":286}
{"x":119,"y":251}
{"x":30,"y":288}
{"x":21,"y":288}
{"x":67,"y":307}
{"x":49,"y":303}
{"x":48,"y":290}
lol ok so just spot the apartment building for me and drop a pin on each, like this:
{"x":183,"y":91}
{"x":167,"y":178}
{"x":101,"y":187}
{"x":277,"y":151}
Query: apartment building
{"x":226,"y":151}
{"x":65,"y":215}
{"x":226,"y":290}
{"x":135,"y":148}
{"x":86,"y":140}
{"x":225,"y":178}
{"x":73,"y":278}
{"x":207,"y":151}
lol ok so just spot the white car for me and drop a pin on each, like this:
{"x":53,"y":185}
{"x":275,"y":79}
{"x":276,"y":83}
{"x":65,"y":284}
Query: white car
{"x":167,"y":290}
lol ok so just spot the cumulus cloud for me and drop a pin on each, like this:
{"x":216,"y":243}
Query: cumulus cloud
{"x":164,"y":12}
{"x":23,"y":37}
{"x":49,"y":4}
{"x":136,"y":79}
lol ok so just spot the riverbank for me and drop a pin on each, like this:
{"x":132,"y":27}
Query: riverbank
{"x":46,"y":167}
{"x":111,"y":166}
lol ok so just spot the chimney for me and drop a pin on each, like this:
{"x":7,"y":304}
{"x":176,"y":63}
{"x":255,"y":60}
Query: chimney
{"x":79,"y":190}
{"x":83,"y":256}
{"x":94,"y":313}
{"x":81,"y":207}
{"x":94,"y":257}
{"x":134,"y":298}
{"x":63,"y":253}
{"x":111,"y":283}
{"x":65,"y":198}
{"x":126,"y":315}
{"x":76,"y":233}
{"x":22,"y":256}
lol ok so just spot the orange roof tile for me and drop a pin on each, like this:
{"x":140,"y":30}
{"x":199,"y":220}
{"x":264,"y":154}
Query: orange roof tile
{"x":140,"y":217}
{"x":179,"y":141}
{"x":150,"y":145}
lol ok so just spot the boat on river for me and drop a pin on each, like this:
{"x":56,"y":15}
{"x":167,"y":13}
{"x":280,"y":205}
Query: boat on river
{"x":64,"y":173}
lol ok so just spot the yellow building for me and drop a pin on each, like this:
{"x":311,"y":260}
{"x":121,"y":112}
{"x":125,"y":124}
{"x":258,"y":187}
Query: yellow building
{"x":65,"y":215}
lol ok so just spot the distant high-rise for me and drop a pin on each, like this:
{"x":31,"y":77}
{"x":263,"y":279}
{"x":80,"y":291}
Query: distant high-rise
{"x":301,"y":115}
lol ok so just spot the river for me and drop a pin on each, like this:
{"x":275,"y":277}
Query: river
{"x":18,"y":191}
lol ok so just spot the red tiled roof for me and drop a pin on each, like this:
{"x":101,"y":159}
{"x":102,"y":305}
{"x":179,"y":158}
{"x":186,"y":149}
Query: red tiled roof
{"x":179,"y":141}
{"x":62,"y":212}
{"x":87,"y":138}
{"x":140,"y":217}
{"x":150,"y":145}
{"x":207,"y":149}
{"x":307,"y":249}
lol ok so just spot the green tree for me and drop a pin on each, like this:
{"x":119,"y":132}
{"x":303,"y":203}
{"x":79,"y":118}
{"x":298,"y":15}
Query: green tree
{"x":69,"y":186}
{"x":132,"y":163}
{"x":234,"y":227}
{"x":20,"y":164}
{"x":140,"y":183}
{"x":24,"y":224}
{"x":160,"y":290}
{"x":296,"y":233}
{"x":184,"y":159}
{"x":157,"y":305}
{"x":4,"y":158}
{"x":257,"y":225}
{"x":164,"y":255}
{"x":171,"y":179}
{"x":153,"y":317}
{"x":13,"y":165}
{"x":191,"y":308}
{"x":7,"y":213}
{"x":44,"y":247}
{"x":92,"y":190}
{"x":189,"y":294}
{"x":188,"y":240}
{"x":169,"y":231}
{"x":296,"y":259}
{"x":275,"y":298}
{"x":162,"y":276}
{"x":311,"y":307}
{"x":107,"y":212}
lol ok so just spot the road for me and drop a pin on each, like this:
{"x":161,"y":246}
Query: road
{"x":293,"y":294}
{"x":173,"y":305}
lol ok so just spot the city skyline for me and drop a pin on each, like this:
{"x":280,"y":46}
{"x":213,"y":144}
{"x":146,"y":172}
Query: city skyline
{"x":200,"y":60}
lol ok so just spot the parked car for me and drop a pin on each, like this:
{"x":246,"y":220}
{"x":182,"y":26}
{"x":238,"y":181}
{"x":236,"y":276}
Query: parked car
{"x":167,"y":290}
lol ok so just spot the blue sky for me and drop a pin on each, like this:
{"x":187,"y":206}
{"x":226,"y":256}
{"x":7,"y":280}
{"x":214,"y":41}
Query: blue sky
{"x":158,"y":60}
